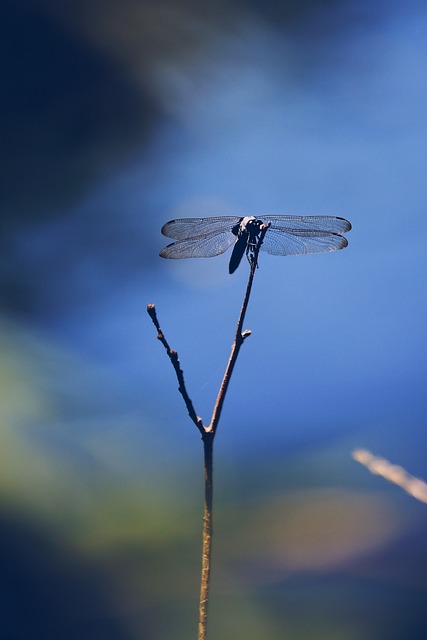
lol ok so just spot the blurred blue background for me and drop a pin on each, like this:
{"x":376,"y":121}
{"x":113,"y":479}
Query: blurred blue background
{"x":117,"y":117}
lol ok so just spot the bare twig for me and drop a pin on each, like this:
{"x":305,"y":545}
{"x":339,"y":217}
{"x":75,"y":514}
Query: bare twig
{"x":208,"y":433}
{"x":239,"y":337}
{"x":173,"y":355}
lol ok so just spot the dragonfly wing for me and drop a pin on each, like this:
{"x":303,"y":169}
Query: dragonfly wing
{"x":330,"y":224}
{"x":200,"y":246}
{"x":297,"y":241}
{"x":287,"y":235}
{"x":187,"y":228}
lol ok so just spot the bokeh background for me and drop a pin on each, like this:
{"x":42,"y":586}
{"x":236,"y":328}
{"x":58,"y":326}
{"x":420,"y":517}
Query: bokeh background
{"x":116,"y":117}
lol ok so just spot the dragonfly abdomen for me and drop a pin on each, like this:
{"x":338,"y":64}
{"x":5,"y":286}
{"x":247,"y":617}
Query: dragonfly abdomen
{"x":238,"y":251}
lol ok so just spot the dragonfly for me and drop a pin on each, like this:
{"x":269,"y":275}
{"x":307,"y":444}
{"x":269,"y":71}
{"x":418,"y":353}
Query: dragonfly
{"x":286,"y":235}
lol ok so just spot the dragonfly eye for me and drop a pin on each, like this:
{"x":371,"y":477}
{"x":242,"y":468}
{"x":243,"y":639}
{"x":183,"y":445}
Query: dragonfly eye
{"x":254,"y":225}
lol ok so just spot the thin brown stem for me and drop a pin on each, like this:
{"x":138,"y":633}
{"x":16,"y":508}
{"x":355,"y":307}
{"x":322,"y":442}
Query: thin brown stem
{"x":208,"y":439}
{"x":208,"y":433}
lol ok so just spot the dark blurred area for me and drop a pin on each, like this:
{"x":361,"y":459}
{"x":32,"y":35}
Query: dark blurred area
{"x":117,"y":116}
{"x":68,"y":111}
{"x":47,"y":591}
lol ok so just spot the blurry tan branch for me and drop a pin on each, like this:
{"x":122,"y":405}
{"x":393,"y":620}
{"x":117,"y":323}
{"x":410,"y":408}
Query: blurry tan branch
{"x":396,"y":474}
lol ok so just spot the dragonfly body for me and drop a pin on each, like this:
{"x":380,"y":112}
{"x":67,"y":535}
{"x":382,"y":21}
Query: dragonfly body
{"x":247,"y":232}
{"x":286,"y":235}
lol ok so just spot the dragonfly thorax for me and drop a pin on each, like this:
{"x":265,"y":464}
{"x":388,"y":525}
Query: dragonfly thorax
{"x":248,"y":227}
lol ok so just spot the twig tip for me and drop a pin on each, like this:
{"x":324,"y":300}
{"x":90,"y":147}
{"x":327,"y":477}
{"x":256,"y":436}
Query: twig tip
{"x":151,"y":310}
